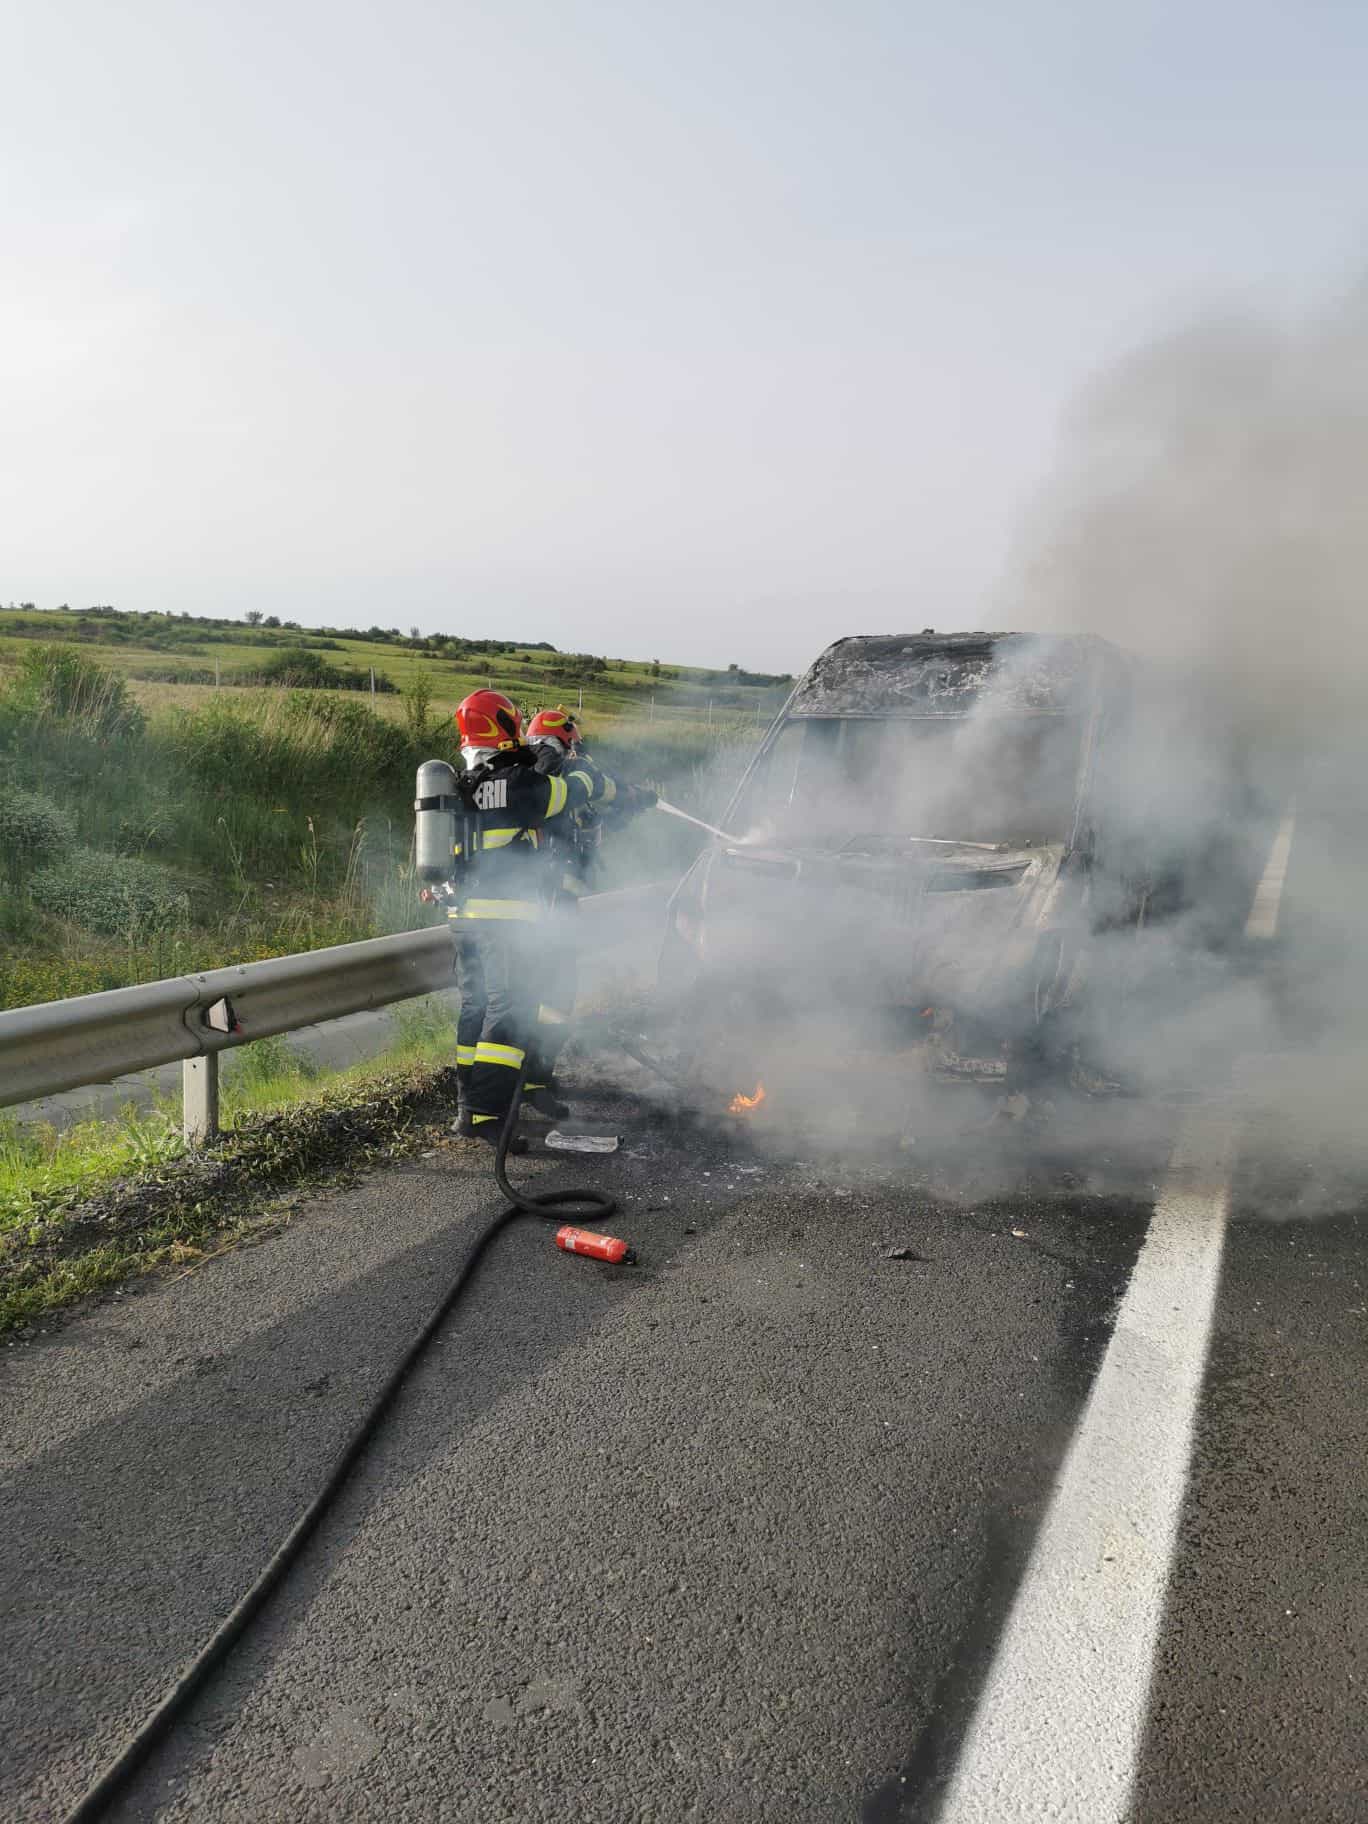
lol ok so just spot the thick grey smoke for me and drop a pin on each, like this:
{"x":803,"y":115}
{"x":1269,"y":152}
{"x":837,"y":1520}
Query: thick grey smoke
{"x":1209,"y":514}
{"x":1209,"y":511}
{"x":1207,"y":517}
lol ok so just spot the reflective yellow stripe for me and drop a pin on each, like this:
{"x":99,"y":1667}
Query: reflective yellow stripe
{"x":475,"y":1120}
{"x":586,"y":780}
{"x":498,"y":839}
{"x":609,"y":791}
{"x":501,"y":908}
{"x":534,"y":1086}
{"x":508,"y":1055}
{"x":560,"y":791}
{"x":465,"y":1054}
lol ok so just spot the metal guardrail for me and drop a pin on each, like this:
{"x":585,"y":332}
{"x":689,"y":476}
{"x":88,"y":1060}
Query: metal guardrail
{"x":94,"y":1038}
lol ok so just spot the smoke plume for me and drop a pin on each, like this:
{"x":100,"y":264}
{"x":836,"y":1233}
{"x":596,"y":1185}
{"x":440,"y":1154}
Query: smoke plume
{"x":1206,"y":518}
{"x":1208,"y":513}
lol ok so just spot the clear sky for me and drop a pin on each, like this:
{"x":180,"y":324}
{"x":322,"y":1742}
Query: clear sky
{"x":706,"y":331}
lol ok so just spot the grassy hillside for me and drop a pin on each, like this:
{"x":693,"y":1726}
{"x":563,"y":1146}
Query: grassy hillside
{"x":161,"y":655}
{"x":152,"y":822}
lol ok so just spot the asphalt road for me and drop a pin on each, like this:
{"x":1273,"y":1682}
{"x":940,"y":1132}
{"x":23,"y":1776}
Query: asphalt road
{"x":739,"y":1533}
{"x":1258,"y":1702}
{"x":702,"y":1538}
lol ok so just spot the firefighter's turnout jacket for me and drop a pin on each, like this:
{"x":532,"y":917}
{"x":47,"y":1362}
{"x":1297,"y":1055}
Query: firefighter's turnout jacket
{"x":499,"y":872}
{"x":573,"y":845}
{"x":499,"y":897}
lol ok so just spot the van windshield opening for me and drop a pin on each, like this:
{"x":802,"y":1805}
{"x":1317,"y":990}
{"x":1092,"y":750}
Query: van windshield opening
{"x":1002,"y":778}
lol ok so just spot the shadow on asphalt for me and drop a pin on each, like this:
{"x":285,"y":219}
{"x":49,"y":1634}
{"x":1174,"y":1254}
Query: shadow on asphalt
{"x":129,"y":1541}
{"x":126,"y":1544}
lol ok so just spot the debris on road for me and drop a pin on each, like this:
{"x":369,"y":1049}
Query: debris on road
{"x":583,"y":1143}
{"x":907,"y":1254}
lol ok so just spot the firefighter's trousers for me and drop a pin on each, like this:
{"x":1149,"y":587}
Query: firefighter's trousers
{"x":557,"y":984}
{"x":470,"y":978}
{"x":497,"y":961}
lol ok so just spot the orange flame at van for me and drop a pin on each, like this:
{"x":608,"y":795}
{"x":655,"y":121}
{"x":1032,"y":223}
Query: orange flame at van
{"x":742,"y":1105}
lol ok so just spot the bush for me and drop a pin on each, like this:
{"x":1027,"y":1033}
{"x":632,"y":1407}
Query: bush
{"x":153,"y":816}
{"x":353,"y":749}
{"x":114,"y":895}
{"x":254,"y":771}
{"x":418,"y":708}
{"x":31,"y":831}
{"x":296,"y":667}
{"x":173,"y":674}
{"x":61,"y":683}
{"x":300,"y":668}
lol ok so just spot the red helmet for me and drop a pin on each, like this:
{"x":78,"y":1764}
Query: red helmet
{"x":487,"y":718}
{"x":553,"y":725}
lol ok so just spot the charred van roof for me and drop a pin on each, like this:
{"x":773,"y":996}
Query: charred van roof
{"x":947,"y":674}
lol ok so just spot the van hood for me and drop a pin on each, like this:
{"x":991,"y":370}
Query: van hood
{"x":954,"y":925}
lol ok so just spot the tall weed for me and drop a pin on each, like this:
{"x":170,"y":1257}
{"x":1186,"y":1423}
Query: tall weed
{"x":31,"y":831}
{"x":116,"y":895}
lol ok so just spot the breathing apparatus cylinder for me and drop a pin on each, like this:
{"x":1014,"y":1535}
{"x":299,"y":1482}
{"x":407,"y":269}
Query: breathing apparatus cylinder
{"x":436,"y":807}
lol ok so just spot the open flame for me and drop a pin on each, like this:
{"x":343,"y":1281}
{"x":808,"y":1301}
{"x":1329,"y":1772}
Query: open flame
{"x":742,"y":1105}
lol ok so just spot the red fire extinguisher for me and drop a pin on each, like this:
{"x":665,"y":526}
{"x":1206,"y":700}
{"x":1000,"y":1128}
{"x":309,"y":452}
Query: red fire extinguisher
{"x":596,"y":1246}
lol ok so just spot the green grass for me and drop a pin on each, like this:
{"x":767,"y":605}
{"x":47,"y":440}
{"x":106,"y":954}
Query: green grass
{"x":197,"y":828}
{"x":45,"y":1171}
{"x":271,"y":1074}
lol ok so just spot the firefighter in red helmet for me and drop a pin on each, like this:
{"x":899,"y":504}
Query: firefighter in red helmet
{"x":496,"y":900}
{"x":558,"y":725}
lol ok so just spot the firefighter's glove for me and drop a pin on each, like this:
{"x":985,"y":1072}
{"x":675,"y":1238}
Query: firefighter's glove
{"x":643,"y":798}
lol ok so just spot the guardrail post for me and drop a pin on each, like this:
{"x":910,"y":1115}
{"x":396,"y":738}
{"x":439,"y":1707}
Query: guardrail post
{"x":200,"y":1099}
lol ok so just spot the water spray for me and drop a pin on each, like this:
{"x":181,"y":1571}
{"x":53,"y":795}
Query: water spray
{"x":673,"y":810}
{"x":938,"y":842}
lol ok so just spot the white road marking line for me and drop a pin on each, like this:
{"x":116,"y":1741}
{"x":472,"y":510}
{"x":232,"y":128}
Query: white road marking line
{"x":1263,"y":914}
{"x":1059,"y":1723}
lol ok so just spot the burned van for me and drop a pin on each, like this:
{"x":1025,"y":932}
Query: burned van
{"x":929,"y":831}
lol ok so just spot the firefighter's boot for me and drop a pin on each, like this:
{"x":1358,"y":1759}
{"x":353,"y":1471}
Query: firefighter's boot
{"x":485,"y":1127}
{"x":542,"y":1099}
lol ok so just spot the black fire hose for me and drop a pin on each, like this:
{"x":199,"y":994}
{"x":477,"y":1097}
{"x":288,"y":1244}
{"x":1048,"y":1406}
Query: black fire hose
{"x":547,"y":1204}
{"x":540,"y":1203}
